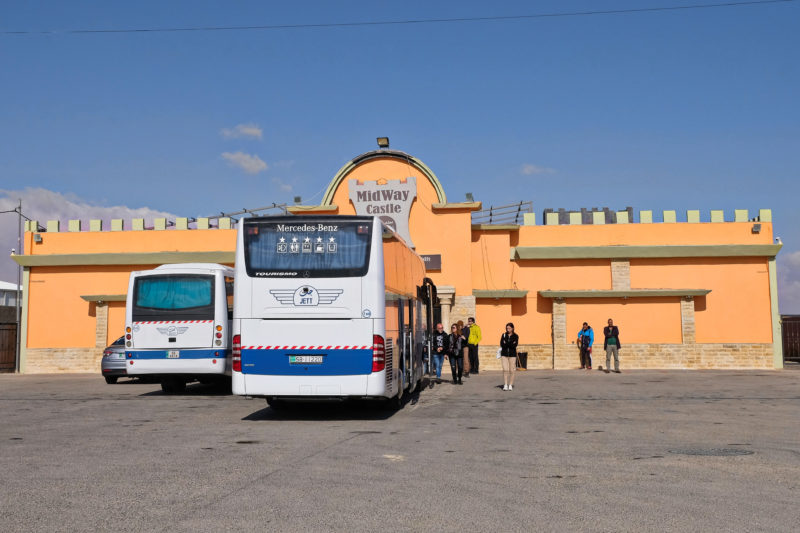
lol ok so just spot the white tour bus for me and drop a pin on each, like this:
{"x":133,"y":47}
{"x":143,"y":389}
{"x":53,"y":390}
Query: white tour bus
{"x":178,"y":324}
{"x":327,"y":306}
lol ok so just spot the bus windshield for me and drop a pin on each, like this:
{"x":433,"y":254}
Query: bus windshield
{"x":172,"y":297}
{"x":320,"y":248}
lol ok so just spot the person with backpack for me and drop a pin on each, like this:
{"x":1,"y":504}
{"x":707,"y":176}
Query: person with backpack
{"x":585,"y":341}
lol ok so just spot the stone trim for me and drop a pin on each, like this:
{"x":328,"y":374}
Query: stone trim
{"x":632,"y":293}
{"x":687,"y":320}
{"x":101,"y":326}
{"x":628,"y":251}
{"x":620,"y":274}
{"x":132,"y":258}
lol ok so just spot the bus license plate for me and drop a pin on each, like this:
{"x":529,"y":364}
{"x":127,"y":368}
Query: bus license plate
{"x":173,"y":354}
{"x":305,"y":359}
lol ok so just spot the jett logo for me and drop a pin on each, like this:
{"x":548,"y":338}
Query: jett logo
{"x":306,"y":295}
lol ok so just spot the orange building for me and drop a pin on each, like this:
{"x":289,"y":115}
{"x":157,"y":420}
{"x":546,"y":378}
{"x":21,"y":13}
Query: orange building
{"x":684,"y":294}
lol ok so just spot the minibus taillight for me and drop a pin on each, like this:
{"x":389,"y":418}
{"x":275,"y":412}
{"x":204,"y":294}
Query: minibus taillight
{"x":237,"y":353}
{"x":378,"y":353}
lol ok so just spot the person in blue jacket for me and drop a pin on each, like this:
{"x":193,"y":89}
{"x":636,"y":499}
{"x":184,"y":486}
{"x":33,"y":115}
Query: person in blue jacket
{"x":585,"y":341}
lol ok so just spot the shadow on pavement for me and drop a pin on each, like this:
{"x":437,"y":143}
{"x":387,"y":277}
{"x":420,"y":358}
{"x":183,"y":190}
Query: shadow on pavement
{"x":347,"y":409}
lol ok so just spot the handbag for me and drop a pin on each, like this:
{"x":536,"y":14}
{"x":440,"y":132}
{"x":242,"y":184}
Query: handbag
{"x":499,"y":353}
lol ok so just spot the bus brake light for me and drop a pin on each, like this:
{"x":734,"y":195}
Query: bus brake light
{"x":237,"y":353}
{"x":378,"y":353}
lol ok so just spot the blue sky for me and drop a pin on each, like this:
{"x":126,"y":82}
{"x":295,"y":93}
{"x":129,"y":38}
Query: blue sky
{"x":688,"y":109}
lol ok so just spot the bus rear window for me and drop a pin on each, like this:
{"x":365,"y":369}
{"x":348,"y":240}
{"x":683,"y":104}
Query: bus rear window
{"x":173,"y":297}
{"x":290,"y":248}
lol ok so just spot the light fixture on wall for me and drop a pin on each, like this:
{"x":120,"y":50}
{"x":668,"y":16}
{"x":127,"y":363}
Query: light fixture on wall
{"x":37,"y":237}
{"x":756,"y":228}
{"x":383,"y":142}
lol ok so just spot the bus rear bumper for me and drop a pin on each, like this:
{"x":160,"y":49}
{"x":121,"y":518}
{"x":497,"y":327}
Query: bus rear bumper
{"x":369,"y":385}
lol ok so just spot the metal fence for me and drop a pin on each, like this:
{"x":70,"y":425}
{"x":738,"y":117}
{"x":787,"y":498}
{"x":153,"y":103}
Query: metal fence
{"x":8,"y":347}
{"x":504,"y":214}
{"x":790,"y":325}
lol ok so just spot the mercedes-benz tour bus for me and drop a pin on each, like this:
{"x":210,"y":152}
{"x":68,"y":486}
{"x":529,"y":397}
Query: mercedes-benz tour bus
{"x":178,"y":324}
{"x":326,"y":307}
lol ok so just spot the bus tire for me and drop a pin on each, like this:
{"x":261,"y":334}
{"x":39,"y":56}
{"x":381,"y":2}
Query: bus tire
{"x":111,"y":379}
{"x":173,"y":386}
{"x":395,"y":403}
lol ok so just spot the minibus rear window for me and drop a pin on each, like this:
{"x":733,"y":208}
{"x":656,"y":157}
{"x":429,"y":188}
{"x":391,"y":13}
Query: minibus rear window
{"x":173,"y":297}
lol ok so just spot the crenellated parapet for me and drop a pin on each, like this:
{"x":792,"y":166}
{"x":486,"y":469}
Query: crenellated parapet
{"x":692,"y":216}
{"x":136,"y":224}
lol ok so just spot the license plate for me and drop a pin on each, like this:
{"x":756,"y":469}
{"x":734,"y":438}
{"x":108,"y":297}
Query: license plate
{"x":305,"y":359}
{"x":120,"y":356}
{"x":173,"y":354}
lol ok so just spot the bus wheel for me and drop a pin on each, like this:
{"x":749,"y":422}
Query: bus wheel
{"x":395,"y":403}
{"x":111,"y":379}
{"x":173,"y":386}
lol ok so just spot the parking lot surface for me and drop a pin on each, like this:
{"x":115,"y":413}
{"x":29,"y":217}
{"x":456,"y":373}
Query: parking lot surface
{"x":564,"y":451}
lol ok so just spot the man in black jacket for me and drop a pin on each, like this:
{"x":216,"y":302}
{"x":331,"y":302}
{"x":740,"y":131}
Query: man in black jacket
{"x":441,"y":345}
{"x":611,"y":345}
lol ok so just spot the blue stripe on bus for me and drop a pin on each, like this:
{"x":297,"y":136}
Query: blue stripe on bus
{"x":334,"y":363}
{"x":184,"y":354}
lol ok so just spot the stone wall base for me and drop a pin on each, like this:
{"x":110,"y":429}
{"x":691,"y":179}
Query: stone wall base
{"x":540,"y":357}
{"x":57,"y":360}
{"x":642,"y":356}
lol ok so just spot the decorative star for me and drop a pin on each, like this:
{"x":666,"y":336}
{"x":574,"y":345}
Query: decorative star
{"x":306,"y":240}
{"x":294,"y":239}
{"x":332,"y":239}
{"x":282,"y":239}
{"x":319,"y":239}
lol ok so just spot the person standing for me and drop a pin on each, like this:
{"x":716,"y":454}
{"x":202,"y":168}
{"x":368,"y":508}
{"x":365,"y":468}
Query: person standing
{"x":456,"y":354}
{"x":441,"y":345}
{"x":508,"y":356}
{"x":585,"y":341}
{"x":465,"y":350}
{"x":611,"y":345}
{"x":473,"y":341}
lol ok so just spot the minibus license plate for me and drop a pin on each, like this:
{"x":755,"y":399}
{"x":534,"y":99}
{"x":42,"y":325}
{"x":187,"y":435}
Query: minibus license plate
{"x":305,"y":359}
{"x":173,"y":354}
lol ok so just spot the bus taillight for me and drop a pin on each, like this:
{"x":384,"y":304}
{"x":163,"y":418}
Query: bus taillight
{"x":237,"y":353}
{"x":378,"y":353}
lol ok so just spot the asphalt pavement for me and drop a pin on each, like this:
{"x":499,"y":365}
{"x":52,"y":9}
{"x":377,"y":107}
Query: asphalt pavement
{"x":564,"y":451}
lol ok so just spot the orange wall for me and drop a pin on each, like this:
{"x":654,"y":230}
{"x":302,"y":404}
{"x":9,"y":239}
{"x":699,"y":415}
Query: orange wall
{"x":92,"y":242}
{"x":116,"y":321}
{"x":738,"y":307}
{"x":640,"y":320}
{"x":531,"y":317}
{"x":645,"y":234}
{"x":57,"y":315}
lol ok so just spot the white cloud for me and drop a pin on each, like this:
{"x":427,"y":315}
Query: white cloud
{"x":282,"y":185}
{"x":251,"y":164}
{"x":251,"y":131}
{"x":43,"y":205}
{"x":789,"y":282}
{"x":529,"y":169}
